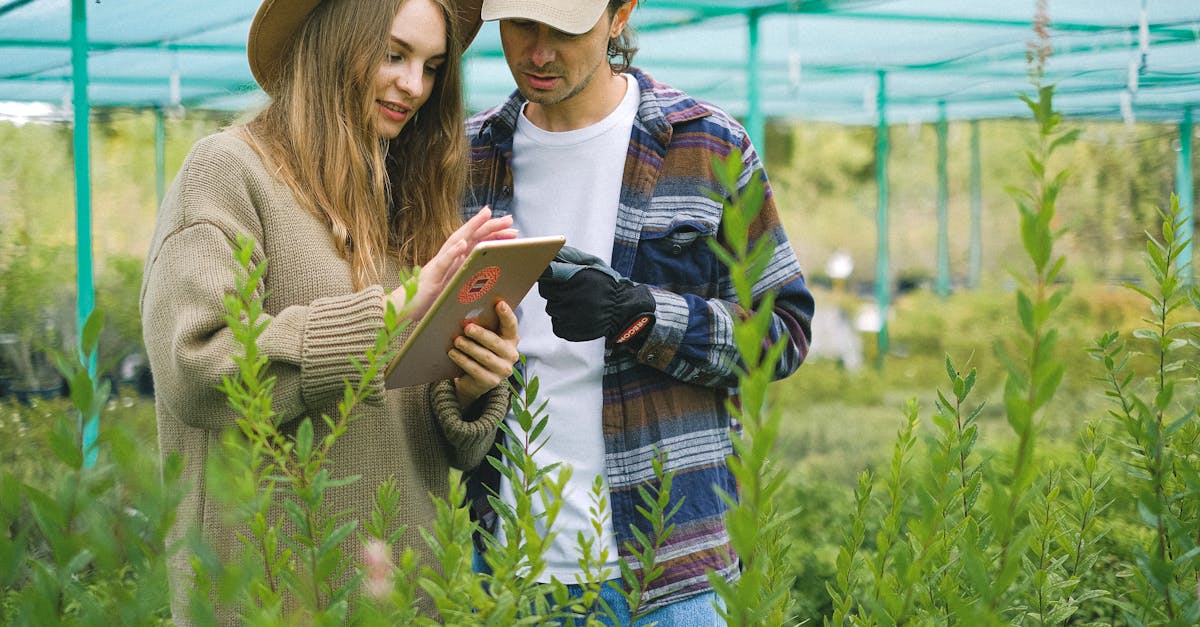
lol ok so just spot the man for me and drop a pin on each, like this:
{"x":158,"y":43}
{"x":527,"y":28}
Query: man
{"x":631,"y":336}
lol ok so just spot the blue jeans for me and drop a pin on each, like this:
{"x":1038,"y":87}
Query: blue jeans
{"x":697,"y":611}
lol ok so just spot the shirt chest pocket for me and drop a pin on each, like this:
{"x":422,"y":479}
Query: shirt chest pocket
{"x":679,"y":258}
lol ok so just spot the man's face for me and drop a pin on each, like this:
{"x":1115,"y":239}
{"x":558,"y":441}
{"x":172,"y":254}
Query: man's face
{"x":551,"y":67}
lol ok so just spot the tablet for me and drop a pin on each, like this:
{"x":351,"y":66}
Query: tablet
{"x":494,"y":271}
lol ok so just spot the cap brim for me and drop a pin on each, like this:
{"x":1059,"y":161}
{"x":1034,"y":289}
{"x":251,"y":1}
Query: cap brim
{"x":575,"y":20}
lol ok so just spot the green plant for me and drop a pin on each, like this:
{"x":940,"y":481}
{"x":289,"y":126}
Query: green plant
{"x":987,"y":540}
{"x":762,"y":595}
{"x":85,"y":544}
{"x":593,"y":574}
{"x":515,"y":565}
{"x":1157,"y":419}
{"x":657,"y":510}
{"x":300,"y":575}
{"x":34,"y":299}
{"x":1032,"y":379}
{"x":391,"y":588}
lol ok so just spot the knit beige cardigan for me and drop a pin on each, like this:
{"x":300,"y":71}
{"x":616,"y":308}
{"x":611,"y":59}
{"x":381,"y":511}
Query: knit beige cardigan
{"x":317,"y":323}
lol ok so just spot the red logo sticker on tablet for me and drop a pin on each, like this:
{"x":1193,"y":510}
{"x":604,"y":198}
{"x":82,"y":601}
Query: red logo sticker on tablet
{"x":478,"y":285}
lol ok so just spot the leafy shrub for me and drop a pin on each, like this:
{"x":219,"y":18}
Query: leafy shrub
{"x":83,"y":532}
{"x":35,"y":310}
{"x":1012,"y":508}
{"x":993,"y":537}
{"x":1157,"y":416}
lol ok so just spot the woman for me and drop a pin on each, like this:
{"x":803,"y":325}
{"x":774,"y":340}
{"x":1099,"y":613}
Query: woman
{"x":352,"y":172}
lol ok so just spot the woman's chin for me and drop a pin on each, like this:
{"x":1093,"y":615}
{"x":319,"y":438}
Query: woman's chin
{"x":389,"y":129}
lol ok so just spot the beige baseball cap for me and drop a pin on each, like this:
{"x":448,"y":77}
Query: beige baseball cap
{"x":569,"y":16}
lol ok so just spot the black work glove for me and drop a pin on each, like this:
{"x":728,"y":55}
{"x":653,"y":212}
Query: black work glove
{"x":586,"y":299}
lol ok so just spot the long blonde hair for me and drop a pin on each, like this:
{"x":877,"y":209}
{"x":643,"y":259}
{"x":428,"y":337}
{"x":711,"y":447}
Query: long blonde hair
{"x":400,"y":198}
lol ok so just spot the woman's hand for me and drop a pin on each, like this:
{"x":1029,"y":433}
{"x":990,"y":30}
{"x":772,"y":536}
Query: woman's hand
{"x":434,"y":275}
{"x":486,"y":358}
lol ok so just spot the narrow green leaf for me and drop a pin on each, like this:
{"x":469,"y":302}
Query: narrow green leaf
{"x":304,"y":440}
{"x":1025,"y":312}
{"x":65,"y":443}
{"x":82,"y":393}
{"x":1065,"y":139}
{"x":1162,"y":400}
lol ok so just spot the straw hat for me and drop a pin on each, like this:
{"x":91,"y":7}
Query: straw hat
{"x":274,"y":25}
{"x":569,"y":16}
{"x":277,"y":21}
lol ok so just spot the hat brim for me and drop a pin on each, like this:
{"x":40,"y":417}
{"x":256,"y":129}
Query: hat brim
{"x":277,"y":21}
{"x":574,"y":20}
{"x":274,"y":26}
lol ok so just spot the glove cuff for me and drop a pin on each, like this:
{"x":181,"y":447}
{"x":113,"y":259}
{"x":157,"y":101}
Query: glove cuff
{"x":634,"y":330}
{"x":636,"y":306}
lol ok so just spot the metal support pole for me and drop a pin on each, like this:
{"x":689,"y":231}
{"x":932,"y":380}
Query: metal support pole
{"x":942,"y":282}
{"x":85,"y":295}
{"x":1186,"y":193}
{"x":755,"y":125}
{"x":160,"y":153}
{"x":882,"y":278}
{"x":975,"y":254}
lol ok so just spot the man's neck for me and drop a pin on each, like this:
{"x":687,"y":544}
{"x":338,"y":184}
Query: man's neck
{"x":589,"y":106}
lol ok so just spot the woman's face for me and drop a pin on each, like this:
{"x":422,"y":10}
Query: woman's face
{"x":416,"y":52}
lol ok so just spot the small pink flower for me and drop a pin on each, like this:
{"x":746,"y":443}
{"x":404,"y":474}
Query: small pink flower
{"x":378,"y":560}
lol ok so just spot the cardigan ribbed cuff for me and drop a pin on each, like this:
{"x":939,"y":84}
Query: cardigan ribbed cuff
{"x":338,"y":328}
{"x":471,"y":437}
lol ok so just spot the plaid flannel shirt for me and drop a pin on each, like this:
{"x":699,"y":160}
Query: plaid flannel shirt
{"x":671,"y":395}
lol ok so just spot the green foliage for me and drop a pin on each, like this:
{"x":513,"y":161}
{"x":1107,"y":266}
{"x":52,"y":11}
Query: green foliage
{"x":37,"y":233}
{"x":516,"y":563}
{"x":657,"y":511}
{"x":1032,"y":379}
{"x":762,"y":595}
{"x":285,"y":575}
{"x":978,"y":516}
{"x":35,"y":306}
{"x":83,"y":542}
{"x":846,"y":581}
{"x":999,"y":538}
{"x":1158,"y":429}
{"x":118,"y":290}
{"x":37,"y":310}
{"x":823,"y":179}
{"x":593,"y":574}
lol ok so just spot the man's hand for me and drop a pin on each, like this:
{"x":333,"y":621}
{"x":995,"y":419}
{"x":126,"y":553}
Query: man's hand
{"x":586,"y":300}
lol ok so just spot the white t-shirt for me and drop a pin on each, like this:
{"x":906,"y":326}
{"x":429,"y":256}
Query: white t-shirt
{"x":569,"y":183}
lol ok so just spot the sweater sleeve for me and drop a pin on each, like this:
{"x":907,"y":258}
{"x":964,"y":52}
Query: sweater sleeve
{"x":190,"y":345}
{"x":469,"y":440}
{"x":221,"y":193}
